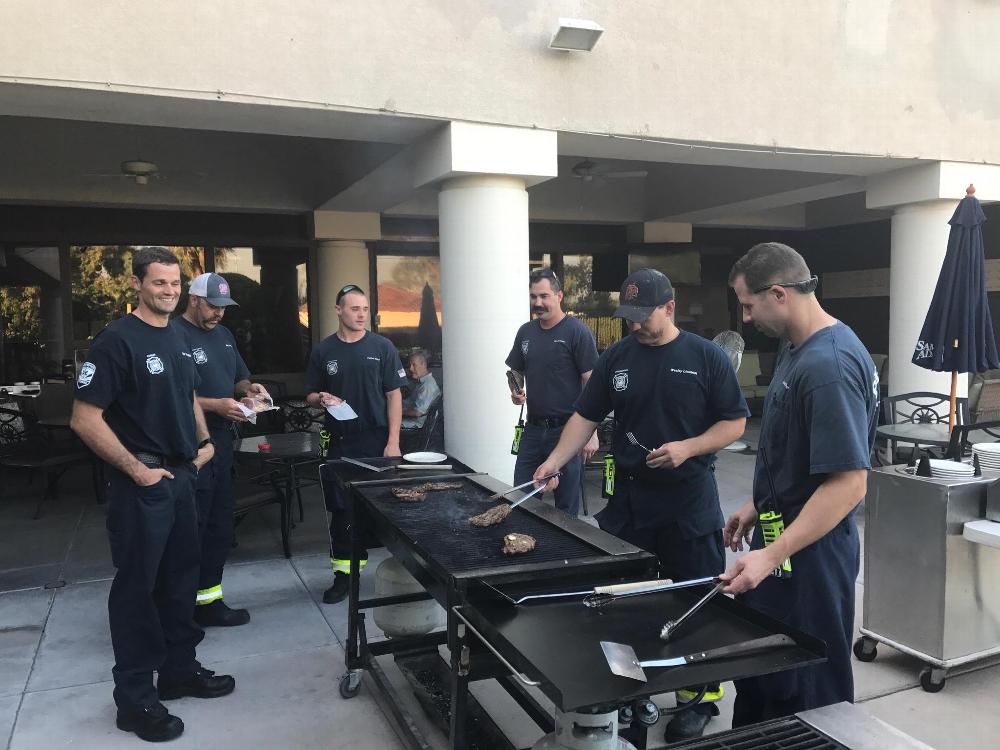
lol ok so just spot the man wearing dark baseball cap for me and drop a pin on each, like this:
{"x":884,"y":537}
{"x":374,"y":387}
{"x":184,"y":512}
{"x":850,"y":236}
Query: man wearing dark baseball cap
{"x":677,"y":395}
{"x":213,"y":289}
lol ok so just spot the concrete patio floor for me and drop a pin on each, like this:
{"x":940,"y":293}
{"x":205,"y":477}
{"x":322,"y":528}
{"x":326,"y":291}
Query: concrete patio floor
{"x":55,"y":651}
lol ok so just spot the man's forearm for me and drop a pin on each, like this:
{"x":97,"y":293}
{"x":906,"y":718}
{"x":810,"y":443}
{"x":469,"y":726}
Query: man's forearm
{"x":210,"y":404}
{"x":717,"y":437}
{"x":575,"y":435}
{"x":200,"y":428}
{"x":827,"y":507}
{"x":96,"y":435}
{"x":394,"y":412}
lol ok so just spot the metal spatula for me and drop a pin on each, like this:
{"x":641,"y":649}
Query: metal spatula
{"x":623,"y":662}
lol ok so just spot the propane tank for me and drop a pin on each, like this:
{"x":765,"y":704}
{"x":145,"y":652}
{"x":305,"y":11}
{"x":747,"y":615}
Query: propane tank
{"x":579,"y":731}
{"x":400,"y":620}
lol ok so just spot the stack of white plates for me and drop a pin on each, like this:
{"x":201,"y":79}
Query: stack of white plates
{"x":950,"y":469}
{"x":988,"y":455}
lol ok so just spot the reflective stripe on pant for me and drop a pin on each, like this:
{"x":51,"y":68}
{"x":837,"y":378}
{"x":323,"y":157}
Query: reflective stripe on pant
{"x":536,"y":445}
{"x":215,"y":513}
{"x":712,"y":695}
{"x":362,"y":445}
{"x":344,"y":566}
{"x":153,"y":533}
{"x":209,"y":595}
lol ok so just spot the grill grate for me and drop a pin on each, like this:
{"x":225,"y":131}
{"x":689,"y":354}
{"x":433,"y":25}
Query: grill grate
{"x":441,"y":525}
{"x":781,"y":734}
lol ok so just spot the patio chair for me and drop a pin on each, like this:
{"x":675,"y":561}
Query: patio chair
{"x":921,"y":407}
{"x":963,"y":437}
{"x":430,"y":436}
{"x":23,"y":445}
{"x":263,"y":491}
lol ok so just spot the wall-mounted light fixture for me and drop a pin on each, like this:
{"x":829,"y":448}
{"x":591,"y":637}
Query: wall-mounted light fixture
{"x":575,"y":34}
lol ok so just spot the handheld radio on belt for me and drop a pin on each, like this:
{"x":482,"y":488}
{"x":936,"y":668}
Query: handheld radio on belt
{"x":608,"y":489}
{"x":772,"y":523}
{"x":515,"y":446}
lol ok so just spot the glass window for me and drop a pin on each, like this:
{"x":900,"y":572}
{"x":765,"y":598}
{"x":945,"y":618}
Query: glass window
{"x":409,"y":302}
{"x":593,"y":308}
{"x":271,"y":324}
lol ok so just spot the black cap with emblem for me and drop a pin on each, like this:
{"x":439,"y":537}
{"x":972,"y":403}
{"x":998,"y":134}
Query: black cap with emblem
{"x":642,"y":292}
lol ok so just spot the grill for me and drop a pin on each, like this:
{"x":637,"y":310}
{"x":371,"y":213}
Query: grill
{"x":440,"y":527}
{"x":780,"y":734}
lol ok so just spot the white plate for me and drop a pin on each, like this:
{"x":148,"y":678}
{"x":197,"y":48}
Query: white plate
{"x":993,"y":448}
{"x":937,"y":463}
{"x":425,"y":457}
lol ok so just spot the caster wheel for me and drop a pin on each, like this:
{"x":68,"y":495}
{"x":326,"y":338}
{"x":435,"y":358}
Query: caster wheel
{"x":932,"y":680}
{"x":350,"y":684}
{"x":865,"y":649}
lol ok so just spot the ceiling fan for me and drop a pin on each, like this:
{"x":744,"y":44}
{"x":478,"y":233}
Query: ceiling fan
{"x":588,"y":170}
{"x":140,"y":172}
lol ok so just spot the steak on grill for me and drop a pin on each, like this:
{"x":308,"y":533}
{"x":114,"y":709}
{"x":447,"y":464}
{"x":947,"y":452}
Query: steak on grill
{"x":517,"y":544}
{"x":409,"y":494}
{"x":496,"y":514}
{"x":433,"y":486}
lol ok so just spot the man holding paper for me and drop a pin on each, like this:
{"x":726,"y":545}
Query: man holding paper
{"x":223,"y":376}
{"x":356,"y":376}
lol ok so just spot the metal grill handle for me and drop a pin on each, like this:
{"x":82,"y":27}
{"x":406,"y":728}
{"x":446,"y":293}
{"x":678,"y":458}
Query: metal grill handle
{"x":497,"y":654}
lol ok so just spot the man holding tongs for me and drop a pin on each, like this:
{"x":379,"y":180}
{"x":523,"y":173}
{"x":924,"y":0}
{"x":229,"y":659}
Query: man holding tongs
{"x":676,"y":393}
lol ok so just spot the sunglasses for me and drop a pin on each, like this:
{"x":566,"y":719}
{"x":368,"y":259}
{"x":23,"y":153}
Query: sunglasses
{"x":807,"y":286}
{"x":347,"y":290}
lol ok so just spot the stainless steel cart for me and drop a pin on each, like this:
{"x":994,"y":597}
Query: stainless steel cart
{"x":929,"y":592}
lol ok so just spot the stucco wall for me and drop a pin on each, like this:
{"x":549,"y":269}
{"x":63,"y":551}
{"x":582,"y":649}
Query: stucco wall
{"x":905,"y":77}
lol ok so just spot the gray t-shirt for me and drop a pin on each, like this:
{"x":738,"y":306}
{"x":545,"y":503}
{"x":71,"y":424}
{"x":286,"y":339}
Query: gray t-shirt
{"x":552,"y":362}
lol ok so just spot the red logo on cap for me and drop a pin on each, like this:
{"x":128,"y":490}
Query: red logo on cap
{"x":223,"y":288}
{"x":631,"y":292}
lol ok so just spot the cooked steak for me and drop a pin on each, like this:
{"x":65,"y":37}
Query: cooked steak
{"x":496,"y":514}
{"x":409,"y":494}
{"x":517,"y":544}
{"x":434,"y":486}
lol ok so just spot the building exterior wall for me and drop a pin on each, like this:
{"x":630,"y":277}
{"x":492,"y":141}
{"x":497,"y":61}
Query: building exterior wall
{"x":903,"y":77}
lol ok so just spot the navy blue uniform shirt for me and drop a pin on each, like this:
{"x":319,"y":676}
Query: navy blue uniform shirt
{"x":662,"y":394}
{"x":144,"y":379}
{"x":219,"y":365}
{"x":360,"y":373}
{"x":552,"y":362}
{"x":820,"y":416}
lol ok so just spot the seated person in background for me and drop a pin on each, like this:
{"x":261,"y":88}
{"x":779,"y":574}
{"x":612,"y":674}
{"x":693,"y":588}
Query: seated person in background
{"x":422,"y":394}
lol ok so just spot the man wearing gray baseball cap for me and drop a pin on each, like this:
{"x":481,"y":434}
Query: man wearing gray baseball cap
{"x":676,"y":401}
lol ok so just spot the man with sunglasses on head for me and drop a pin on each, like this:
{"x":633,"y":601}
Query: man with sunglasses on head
{"x":363,"y":369}
{"x":677,"y":396}
{"x":813,"y":458}
{"x":555,"y":353}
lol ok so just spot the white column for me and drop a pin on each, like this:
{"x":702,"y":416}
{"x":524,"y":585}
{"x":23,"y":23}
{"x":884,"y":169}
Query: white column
{"x":339,"y":262}
{"x":918,"y":245}
{"x":483,"y":228}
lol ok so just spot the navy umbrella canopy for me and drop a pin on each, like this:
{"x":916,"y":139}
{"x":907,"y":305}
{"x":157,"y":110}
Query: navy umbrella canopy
{"x":957,"y":335}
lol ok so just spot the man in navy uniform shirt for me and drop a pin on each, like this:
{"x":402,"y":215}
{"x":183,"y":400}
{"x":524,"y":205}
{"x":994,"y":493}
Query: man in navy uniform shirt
{"x":136,"y":408}
{"x":816,"y":438}
{"x":223,"y":374}
{"x":363,"y":369}
{"x":556,"y":353}
{"x":677,"y":394}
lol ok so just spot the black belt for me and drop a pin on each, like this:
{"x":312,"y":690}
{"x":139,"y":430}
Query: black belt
{"x":547,"y":421}
{"x":154,"y":461}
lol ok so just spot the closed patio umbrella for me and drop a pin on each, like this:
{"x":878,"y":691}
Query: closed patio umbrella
{"x":957,"y":335}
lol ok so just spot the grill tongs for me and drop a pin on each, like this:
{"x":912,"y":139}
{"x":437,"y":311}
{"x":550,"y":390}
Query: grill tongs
{"x":544,"y":480}
{"x":602,"y":595}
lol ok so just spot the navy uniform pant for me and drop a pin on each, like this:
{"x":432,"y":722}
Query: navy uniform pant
{"x":215,"y":515}
{"x":681,"y":560}
{"x":154,"y":547}
{"x":818,"y":599}
{"x":368,"y":444}
{"x":536,"y":445}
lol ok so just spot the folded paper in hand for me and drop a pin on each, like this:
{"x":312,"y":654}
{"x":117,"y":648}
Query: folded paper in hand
{"x":341,"y":411}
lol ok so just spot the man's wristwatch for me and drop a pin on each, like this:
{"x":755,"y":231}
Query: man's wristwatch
{"x":206,"y":441}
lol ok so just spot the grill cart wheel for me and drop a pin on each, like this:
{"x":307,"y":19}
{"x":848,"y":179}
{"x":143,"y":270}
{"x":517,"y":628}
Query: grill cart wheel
{"x":350,"y":684}
{"x":865,"y":649}
{"x":932,"y":680}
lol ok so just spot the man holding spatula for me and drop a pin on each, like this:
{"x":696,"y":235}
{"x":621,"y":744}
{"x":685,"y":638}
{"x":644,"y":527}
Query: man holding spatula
{"x":676,"y":393}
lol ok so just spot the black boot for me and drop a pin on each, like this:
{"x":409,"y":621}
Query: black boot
{"x":151,"y":723}
{"x":339,"y":590}
{"x":691,"y":723}
{"x":219,"y":614}
{"x":202,"y":684}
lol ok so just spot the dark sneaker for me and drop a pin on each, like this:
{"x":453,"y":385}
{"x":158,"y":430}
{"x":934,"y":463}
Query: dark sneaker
{"x":689,"y":724}
{"x":203,"y":684}
{"x":339,"y":590}
{"x":151,"y":723}
{"x":219,"y":614}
